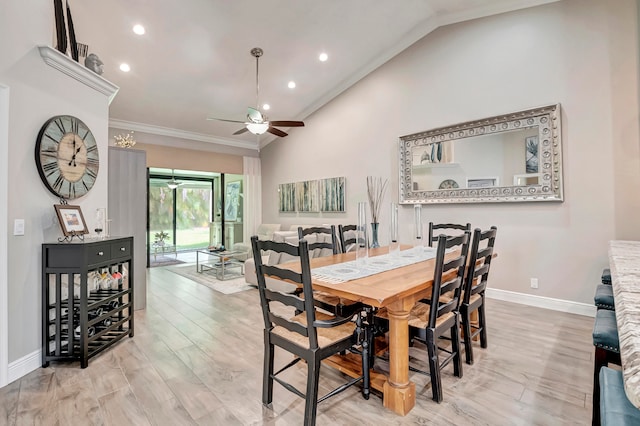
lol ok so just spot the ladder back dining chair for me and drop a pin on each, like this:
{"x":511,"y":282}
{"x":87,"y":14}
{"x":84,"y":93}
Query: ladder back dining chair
{"x":295,"y":325}
{"x":475,"y":284}
{"x":322,"y":241}
{"x":428,"y":322}
{"x":448,"y":229}
{"x":347,"y":234}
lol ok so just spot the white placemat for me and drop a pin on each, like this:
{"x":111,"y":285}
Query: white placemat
{"x":342,"y":272}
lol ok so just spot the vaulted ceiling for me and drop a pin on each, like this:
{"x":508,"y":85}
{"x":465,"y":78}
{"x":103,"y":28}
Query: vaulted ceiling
{"x":193,"y":62}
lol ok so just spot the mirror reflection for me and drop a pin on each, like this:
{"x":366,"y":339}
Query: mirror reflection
{"x":514,"y":157}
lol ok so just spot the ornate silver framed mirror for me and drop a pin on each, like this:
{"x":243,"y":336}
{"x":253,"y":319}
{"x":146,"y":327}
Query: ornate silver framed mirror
{"x":513,"y":157}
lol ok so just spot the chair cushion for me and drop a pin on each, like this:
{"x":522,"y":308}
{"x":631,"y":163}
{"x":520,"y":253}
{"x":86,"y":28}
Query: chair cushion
{"x":326,"y":336}
{"x":606,"y":276}
{"x":615,"y":407}
{"x":605,"y":331}
{"x":604,"y":297}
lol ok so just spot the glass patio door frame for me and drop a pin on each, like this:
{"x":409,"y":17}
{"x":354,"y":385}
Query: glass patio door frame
{"x":166,"y":178}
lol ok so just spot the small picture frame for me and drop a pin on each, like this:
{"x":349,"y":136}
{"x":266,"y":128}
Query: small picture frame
{"x":482,"y":182}
{"x":531,"y":154}
{"x":71,"y":220}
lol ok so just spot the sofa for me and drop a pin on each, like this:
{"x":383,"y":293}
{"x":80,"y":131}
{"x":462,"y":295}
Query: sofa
{"x":288,"y":236}
{"x":265,"y":232}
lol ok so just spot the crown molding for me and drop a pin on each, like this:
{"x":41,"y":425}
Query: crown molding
{"x":180,"y":134}
{"x":73,"y":69}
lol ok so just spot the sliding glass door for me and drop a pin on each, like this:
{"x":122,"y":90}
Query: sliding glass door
{"x":190,"y":210}
{"x":193,"y":214}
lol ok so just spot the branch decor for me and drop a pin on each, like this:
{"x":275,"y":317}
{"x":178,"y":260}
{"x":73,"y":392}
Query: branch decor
{"x":376,"y":188}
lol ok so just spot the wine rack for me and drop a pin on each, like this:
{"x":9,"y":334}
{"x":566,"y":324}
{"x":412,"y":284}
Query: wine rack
{"x":87,"y":298}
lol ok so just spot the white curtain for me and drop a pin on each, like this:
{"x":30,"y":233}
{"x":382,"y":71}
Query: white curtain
{"x":252,"y":211}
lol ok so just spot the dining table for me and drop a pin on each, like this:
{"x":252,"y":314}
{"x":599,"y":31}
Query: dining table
{"x":397,"y":290}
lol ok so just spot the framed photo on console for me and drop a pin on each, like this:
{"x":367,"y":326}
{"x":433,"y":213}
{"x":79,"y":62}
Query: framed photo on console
{"x":71,"y":220}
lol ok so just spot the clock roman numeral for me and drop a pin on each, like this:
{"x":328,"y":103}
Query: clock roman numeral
{"x":92,"y":173}
{"x":57,"y":185}
{"x":85,"y":135}
{"x":60,"y":125}
{"x":49,"y":153}
{"x":50,"y":166}
{"x":52,"y":138}
{"x":74,"y":125}
{"x":85,"y":185}
{"x":92,"y":162}
{"x":52,"y":172}
{"x":91,"y":148}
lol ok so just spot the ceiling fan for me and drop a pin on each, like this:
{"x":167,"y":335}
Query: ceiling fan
{"x":258,"y":123}
{"x":173,"y":183}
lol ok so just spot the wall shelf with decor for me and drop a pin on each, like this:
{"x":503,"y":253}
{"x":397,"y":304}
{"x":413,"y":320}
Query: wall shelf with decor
{"x":73,"y":69}
{"x":87,"y":298}
{"x":429,"y":166}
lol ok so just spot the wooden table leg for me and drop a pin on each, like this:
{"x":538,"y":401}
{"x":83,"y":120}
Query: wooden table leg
{"x":399,"y":392}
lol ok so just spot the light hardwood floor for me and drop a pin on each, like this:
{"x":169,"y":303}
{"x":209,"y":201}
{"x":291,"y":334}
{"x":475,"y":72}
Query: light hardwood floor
{"x":196,"y":359}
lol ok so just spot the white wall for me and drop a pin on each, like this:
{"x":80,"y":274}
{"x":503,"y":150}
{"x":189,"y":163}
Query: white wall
{"x":38,"y":92}
{"x":580,"y":53}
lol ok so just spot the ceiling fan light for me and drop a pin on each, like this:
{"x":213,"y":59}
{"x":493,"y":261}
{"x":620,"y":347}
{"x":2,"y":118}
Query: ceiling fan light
{"x":173,"y":183}
{"x":257,"y":128}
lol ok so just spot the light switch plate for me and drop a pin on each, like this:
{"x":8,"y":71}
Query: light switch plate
{"x":18,"y":227}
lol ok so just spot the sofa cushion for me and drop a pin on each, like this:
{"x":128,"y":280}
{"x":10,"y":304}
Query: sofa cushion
{"x":265,"y":230}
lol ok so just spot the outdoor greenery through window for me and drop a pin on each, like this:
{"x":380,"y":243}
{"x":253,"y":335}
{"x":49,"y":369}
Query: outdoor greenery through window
{"x":193,"y":213}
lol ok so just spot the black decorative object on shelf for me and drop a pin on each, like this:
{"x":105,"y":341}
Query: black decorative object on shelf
{"x":80,"y":320}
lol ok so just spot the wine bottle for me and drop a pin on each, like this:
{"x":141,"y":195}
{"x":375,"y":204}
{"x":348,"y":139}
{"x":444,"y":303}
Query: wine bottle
{"x":90,"y":332}
{"x":105,"y":323}
{"x":111,"y":305}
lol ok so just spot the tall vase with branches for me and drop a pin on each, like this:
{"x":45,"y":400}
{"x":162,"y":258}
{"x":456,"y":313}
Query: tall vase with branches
{"x":376,"y":188}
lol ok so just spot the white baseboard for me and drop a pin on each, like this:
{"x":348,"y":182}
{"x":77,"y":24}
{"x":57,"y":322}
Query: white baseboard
{"x":543,"y":302}
{"x":24,"y":365}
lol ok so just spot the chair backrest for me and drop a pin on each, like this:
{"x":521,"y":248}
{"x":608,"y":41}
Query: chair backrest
{"x":347,"y":235}
{"x":480,"y":256}
{"x":448,"y":275}
{"x":448,"y":229}
{"x":282,"y":317}
{"x":325,"y":242}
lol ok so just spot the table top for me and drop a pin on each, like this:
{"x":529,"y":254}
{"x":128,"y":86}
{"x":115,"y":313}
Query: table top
{"x":381,"y":289}
{"x":624,"y":261}
{"x":220,"y":253}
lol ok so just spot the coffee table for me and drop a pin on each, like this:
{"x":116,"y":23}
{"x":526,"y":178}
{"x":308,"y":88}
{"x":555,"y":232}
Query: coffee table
{"x":222,"y":263}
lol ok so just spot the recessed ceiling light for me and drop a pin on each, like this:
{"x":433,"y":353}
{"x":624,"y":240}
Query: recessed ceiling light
{"x":125,"y":67}
{"x":138,"y":29}
{"x":323,"y":57}
{"x":266,"y":107}
{"x":291,"y":85}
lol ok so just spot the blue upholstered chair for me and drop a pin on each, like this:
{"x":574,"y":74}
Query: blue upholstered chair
{"x":615,"y":407}
{"x":603,"y":298}
{"x":607,"y":350}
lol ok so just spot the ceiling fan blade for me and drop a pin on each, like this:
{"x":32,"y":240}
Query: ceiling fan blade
{"x":241,"y":131}
{"x":223,"y":119}
{"x":287,"y":123}
{"x":276,"y":132}
{"x":254,"y":115}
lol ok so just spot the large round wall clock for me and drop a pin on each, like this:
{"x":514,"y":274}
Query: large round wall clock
{"x":67,"y":156}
